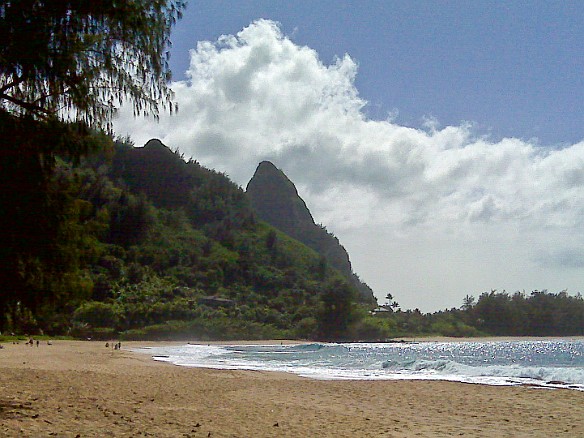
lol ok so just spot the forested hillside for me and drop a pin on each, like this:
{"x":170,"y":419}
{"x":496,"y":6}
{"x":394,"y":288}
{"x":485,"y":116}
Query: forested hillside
{"x":160,"y":247}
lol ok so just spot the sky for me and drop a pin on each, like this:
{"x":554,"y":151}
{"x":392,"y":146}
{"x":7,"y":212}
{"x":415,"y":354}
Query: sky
{"x":441,"y":142}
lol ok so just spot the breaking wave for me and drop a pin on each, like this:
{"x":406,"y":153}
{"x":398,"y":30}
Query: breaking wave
{"x":548,"y":363}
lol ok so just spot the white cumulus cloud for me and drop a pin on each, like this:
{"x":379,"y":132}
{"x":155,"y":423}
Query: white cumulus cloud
{"x":431,"y":214}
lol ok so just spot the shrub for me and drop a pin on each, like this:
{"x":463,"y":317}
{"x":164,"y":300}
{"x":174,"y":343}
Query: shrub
{"x":97,"y":314}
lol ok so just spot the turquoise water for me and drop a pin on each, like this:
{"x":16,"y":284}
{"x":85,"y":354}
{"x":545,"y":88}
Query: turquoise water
{"x":546,"y":363}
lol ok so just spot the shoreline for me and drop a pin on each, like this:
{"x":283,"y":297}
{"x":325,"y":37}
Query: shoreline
{"x":487,"y":338}
{"x":165,"y":353}
{"x":389,"y":341}
{"x":410,"y":340}
{"x":82,"y":388}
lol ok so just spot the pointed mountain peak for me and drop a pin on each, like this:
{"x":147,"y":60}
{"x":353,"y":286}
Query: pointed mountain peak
{"x":155,"y":146}
{"x":266,"y":166}
{"x":276,"y":199}
{"x":154,"y":142}
{"x":268,"y":175}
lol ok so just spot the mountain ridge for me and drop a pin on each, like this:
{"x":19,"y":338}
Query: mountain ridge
{"x":275,"y":199}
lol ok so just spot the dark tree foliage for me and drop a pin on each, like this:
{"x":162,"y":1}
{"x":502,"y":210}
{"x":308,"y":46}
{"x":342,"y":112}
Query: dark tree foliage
{"x":79,"y":59}
{"x":33,"y":240}
{"x":130,"y":220}
{"x":500,"y":314}
{"x":337,"y":310}
{"x":64,"y":67}
{"x":539,"y":314}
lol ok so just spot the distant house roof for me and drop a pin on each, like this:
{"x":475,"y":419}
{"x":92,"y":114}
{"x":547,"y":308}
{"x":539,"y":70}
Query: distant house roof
{"x":213,"y":301}
{"x":381,"y":309}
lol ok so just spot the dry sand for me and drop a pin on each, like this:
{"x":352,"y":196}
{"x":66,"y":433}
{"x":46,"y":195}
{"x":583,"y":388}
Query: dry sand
{"x":83,"y":389}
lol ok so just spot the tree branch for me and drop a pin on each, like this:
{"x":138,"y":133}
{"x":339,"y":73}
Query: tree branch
{"x":25,"y":105}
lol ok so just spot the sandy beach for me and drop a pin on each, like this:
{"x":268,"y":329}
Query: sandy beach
{"x":82,"y":389}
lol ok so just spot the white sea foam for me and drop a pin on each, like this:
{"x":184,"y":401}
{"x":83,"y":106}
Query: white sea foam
{"x":556,"y":363}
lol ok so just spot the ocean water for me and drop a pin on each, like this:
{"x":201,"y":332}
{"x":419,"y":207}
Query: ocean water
{"x":545,"y":363}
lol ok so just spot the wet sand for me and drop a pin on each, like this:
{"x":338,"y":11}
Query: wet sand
{"x":76,"y":388}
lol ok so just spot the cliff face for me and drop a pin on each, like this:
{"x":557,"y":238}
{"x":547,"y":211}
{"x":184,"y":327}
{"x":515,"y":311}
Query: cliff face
{"x":275,"y":198}
{"x":276,"y":201}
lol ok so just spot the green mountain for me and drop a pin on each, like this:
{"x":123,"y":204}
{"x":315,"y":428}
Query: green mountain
{"x":275,"y":199}
{"x":154,"y":246}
